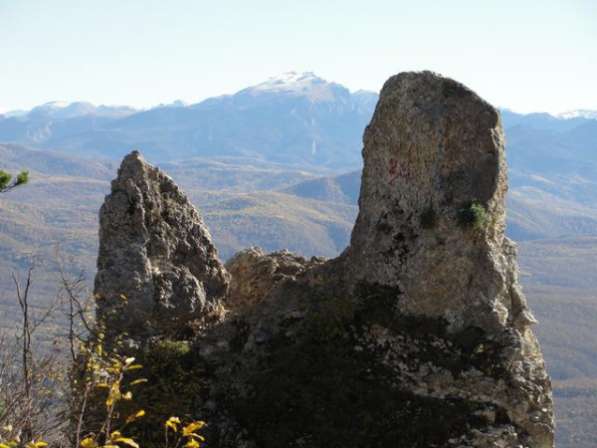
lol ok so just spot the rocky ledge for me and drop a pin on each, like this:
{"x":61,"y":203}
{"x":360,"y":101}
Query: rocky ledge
{"x":418,"y":335}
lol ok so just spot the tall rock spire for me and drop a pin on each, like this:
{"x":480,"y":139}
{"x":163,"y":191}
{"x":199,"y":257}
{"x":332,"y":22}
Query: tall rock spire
{"x":431,"y":212}
{"x":430,"y":231}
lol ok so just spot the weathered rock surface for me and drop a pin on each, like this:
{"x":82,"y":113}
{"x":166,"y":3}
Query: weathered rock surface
{"x":254,"y":274}
{"x":418,"y":335}
{"x":432,"y":150}
{"x":157,"y":266}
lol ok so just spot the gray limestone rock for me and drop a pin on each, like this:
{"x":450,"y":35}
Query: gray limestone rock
{"x":254,"y":274}
{"x":157,"y":266}
{"x":418,"y":335}
{"x":432,"y":150}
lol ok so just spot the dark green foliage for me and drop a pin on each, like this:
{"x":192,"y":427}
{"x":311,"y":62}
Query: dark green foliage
{"x":22,"y":178}
{"x":5,"y":180}
{"x":473,"y":216}
{"x":428,"y":218}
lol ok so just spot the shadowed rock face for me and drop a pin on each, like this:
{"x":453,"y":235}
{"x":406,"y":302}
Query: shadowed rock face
{"x":418,"y":335}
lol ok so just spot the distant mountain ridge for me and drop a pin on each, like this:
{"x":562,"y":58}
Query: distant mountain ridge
{"x":296,"y":118}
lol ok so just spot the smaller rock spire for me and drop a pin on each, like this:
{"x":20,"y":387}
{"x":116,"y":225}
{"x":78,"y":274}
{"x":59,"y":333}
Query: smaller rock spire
{"x":157,"y":266}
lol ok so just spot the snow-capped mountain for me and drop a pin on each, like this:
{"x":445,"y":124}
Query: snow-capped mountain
{"x":290,"y":82}
{"x":296,"y":118}
{"x":306,"y":84}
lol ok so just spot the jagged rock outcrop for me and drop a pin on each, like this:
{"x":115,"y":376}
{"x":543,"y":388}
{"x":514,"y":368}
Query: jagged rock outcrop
{"x":418,"y":335}
{"x":157,"y":266}
{"x":254,"y":274}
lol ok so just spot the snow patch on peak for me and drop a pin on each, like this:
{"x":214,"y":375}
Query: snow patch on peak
{"x":299,"y":84}
{"x":174,"y":104}
{"x":61,"y":110}
{"x":290,"y":82}
{"x":54,"y":105}
{"x":579,"y":113}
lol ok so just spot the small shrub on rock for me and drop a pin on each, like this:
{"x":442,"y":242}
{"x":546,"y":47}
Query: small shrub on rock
{"x":473,"y":216}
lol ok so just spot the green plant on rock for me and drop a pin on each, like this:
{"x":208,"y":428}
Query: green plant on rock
{"x":473,"y":216}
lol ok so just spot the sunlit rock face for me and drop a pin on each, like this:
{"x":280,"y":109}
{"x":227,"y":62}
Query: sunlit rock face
{"x":418,"y":335}
{"x":431,"y":229}
{"x":433,"y":150}
{"x":157,"y":266}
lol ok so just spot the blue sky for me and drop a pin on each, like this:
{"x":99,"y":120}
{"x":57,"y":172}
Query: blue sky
{"x":528,"y":55}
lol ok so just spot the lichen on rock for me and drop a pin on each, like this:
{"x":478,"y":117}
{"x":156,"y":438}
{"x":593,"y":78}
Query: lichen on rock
{"x":417,"y":335}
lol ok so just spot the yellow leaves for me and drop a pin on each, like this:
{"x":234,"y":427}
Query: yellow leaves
{"x":10,"y":444}
{"x":127,"y":441}
{"x":117,"y":437}
{"x":110,"y":371}
{"x":192,"y":427}
{"x":38,"y":444}
{"x":114,"y":395}
{"x":7,"y":429}
{"x":188,"y":431}
{"x":133,"y":367}
{"x":172,"y":423}
{"x":88,"y":442}
{"x":128,"y":364}
{"x":136,"y":416}
{"x":192,"y":443}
